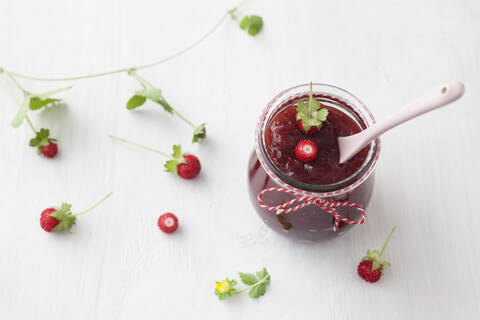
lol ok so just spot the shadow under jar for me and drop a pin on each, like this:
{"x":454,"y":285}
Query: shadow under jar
{"x":321,"y":199}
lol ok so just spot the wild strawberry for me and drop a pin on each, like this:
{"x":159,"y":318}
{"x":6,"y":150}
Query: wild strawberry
{"x":45,"y":145}
{"x":50,"y":150}
{"x":168,"y":222}
{"x":190,"y":168}
{"x":306,"y":150}
{"x":47,"y":222}
{"x":310,"y":115}
{"x":54,"y":219}
{"x":185,"y":165}
{"x":371,"y":267}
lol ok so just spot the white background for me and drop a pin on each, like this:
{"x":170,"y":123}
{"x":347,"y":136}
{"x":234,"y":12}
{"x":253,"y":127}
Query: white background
{"x":116,"y":264}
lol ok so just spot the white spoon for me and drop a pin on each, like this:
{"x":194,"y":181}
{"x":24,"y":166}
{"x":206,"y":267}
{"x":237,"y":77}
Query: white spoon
{"x":435,"y":98}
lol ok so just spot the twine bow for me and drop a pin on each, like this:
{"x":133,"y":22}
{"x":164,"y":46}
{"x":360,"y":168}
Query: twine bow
{"x":305,"y":201}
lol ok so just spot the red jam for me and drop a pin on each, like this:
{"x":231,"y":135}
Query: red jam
{"x":282,"y":136}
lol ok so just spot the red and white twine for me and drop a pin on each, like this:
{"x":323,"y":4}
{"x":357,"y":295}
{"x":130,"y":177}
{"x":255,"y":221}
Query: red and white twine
{"x":306,"y":200}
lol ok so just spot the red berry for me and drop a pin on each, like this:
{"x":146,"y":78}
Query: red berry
{"x":47,"y":222}
{"x":190,"y":169}
{"x":306,"y":150}
{"x":311,"y":131}
{"x":365,"y":271}
{"x":168,"y":222}
{"x":50,"y":150}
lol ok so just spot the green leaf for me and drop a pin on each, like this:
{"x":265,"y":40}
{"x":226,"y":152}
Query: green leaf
{"x":38,"y":103}
{"x":262,"y":274}
{"x":155,"y":95}
{"x":199,"y":133}
{"x":258,"y":291}
{"x":253,"y":24}
{"x":311,"y":113}
{"x":321,"y":114}
{"x":244,"y":23}
{"x":171,"y":166}
{"x":135,"y":102}
{"x":248,"y":278}
{"x":152,"y":93}
{"x":21,"y":113}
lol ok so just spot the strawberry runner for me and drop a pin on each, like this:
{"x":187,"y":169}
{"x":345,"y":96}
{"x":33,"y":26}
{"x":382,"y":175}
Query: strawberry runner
{"x":304,"y":200}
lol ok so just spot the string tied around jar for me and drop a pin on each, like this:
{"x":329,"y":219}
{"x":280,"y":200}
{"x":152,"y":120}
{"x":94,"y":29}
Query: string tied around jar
{"x":305,"y":200}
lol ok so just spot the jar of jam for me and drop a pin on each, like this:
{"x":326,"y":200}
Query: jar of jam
{"x":319,"y":199}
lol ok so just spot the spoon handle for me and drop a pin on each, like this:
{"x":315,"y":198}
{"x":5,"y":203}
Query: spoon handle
{"x":435,"y":98}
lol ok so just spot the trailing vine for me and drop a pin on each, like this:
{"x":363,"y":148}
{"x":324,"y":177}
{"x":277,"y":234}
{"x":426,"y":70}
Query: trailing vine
{"x":29,"y":101}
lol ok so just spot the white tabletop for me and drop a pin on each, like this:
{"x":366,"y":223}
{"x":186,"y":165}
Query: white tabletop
{"x":116,"y":264}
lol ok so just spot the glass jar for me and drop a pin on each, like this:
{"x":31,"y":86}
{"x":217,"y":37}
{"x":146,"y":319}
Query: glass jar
{"x":305,"y":211}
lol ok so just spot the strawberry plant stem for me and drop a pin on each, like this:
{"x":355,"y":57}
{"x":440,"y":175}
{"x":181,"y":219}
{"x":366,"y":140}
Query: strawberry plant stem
{"x":141,"y":146}
{"x":31,"y":125}
{"x":163,"y":102}
{"x":386,"y":242}
{"x":148,"y":65}
{"x":12,"y":94}
{"x":94,"y":206}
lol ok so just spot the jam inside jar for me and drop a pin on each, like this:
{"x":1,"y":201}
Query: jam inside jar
{"x":273,"y":164}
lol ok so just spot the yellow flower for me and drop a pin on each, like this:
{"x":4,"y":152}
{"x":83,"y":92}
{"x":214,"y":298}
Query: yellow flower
{"x":223,"y":287}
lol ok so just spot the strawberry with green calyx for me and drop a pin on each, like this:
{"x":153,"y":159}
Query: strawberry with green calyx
{"x":59,"y":219}
{"x":185,"y":165}
{"x":310,"y":115}
{"x":45,"y":145}
{"x":372,"y":267}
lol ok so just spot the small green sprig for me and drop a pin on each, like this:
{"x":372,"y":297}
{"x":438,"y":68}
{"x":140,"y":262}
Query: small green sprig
{"x":253,"y":24}
{"x":311,"y":113}
{"x":154,"y":94}
{"x":256,"y":285}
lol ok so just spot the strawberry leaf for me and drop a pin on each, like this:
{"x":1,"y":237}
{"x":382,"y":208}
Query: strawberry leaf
{"x":38,"y":103}
{"x":311,"y":113}
{"x":253,"y":24}
{"x":258,"y":291}
{"x":152,"y":94}
{"x":155,"y":95}
{"x":262,"y":274}
{"x":135,"y":102}
{"x":248,"y":278}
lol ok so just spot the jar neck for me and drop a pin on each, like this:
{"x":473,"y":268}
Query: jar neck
{"x":333,"y":97}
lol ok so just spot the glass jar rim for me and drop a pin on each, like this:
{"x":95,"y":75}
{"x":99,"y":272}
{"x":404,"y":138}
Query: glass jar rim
{"x":326,"y":190}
